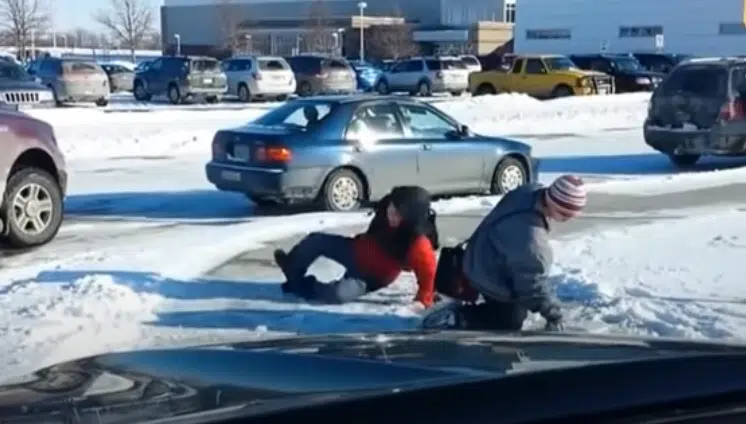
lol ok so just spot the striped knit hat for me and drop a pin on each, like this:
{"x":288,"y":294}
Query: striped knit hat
{"x":567,"y":195}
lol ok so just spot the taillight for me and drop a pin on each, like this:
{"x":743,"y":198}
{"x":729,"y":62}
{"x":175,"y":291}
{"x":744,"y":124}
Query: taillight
{"x":273,"y":154}
{"x":257,"y":76}
{"x":732,"y":110}
{"x":218,"y":150}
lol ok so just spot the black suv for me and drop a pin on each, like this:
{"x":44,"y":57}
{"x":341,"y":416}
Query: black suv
{"x":629,"y":75}
{"x":661,"y":62}
{"x":699,"y":110}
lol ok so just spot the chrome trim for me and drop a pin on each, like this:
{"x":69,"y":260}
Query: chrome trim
{"x":248,"y":168}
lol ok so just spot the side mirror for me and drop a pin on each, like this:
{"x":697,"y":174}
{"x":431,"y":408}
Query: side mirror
{"x":464,"y":130}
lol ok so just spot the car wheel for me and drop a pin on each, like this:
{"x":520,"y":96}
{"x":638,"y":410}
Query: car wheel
{"x":509,"y":175}
{"x":485,"y":90}
{"x":244,"y":94}
{"x":32,"y":210}
{"x":212,"y":99}
{"x":305,"y":89}
{"x":382,"y":88}
{"x":174,"y":94}
{"x":281,"y":98}
{"x":342,"y":192}
{"x":140,"y":92}
{"x":102,"y":102}
{"x":684,"y":161}
{"x":423,"y":89}
{"x":562,"y":91}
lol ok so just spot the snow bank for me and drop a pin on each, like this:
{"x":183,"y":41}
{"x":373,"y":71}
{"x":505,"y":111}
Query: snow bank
{"x":94,"y":133}
{"x":630,"y":279}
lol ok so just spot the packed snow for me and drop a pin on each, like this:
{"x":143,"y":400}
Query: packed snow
{"x":126,"y":269}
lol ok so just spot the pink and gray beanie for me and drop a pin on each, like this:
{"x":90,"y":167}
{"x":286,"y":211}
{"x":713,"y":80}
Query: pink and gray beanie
{"x":567,"y":195}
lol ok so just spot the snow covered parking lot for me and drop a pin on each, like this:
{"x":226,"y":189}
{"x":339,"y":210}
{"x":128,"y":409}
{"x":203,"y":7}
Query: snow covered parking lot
{"x":152,"y":255}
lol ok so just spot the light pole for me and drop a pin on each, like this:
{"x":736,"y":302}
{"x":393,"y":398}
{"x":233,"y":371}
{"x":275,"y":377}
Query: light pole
{"x":362,"y":5}
{"x":178,"y":44}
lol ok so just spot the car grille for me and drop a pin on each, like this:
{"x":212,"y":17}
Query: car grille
{"x":603,"y":83}
{"x":20,"y":97}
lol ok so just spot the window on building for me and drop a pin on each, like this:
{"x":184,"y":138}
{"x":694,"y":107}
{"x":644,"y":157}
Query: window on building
{"x":548,"y":34}
{"x":732,"y":28}
{"x":640,"y":31}
{"x":509,"y":13}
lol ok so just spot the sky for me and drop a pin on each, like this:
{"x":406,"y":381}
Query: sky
{"x":71,"y":14}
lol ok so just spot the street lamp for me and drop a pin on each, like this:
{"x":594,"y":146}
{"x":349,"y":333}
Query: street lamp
{"x":178,"y":44}
{"x":362,"y":5}
{"x":249,"y":43}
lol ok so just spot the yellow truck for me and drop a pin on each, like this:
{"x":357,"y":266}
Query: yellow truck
{"x":541,"y":76}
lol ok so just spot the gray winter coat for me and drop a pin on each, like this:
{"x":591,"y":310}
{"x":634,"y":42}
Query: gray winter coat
{"x":508,"y":257}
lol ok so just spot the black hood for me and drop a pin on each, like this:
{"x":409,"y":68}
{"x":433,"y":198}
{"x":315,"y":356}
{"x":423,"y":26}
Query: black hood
{"x":643,"y":73}
{"x":257,"y":376}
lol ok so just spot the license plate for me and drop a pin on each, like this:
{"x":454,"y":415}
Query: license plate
{"x":207,"y":80}
{"x":242,"y":153}
{"x":231,"y":176}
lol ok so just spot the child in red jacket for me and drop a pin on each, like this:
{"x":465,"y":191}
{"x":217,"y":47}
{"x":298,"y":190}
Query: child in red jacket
{"x":401,"y":237}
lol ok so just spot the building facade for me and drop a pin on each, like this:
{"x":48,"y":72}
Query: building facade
{"x":282,"y":26}
{"x":706,"y":28}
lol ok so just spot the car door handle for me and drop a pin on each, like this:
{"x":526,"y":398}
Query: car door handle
{"x":427,"y":147}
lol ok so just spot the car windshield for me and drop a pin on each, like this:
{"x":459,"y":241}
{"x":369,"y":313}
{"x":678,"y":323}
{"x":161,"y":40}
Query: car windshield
{"x":297,"y":115}
{"x":628,"y":64}
{"x":469,"y":60}
{"x":559,"y":63}
{"x":80,"y":67}
{"x":12,"y":71}
{"x":446,"y":65}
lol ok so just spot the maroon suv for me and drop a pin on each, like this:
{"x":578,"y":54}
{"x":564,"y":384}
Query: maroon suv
{"x":33,"y":180}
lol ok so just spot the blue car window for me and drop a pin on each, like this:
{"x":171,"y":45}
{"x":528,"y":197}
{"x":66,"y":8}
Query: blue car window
{"x":424,"y":123}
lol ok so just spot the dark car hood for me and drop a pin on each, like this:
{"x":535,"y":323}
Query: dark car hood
{"x":263,"y":375}
{"x":9,"y":84}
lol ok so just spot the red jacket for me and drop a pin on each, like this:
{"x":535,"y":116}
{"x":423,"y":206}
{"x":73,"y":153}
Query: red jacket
{"x":374,"y":261}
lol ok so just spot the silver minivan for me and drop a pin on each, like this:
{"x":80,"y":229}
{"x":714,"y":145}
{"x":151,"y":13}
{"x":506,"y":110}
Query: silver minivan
{"x":72,"y":80}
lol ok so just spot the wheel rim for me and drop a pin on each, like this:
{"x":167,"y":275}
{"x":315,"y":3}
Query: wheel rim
{"x":511,"y":178}
{"x":243,"y":93}
{"x":32,"y":209}
{"x":345,"y":193}
{"x":423,"y":89}
{"x":174,"y":94}
{"x":140,"y":91}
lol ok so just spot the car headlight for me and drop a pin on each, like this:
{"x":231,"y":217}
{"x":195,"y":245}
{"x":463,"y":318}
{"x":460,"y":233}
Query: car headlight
{"x":643,"y":81}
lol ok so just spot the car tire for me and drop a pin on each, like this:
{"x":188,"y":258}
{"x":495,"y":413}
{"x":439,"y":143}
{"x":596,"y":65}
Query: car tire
{"x":343,"y":191}
{"x":174,"y":94}
{"x":509,"y":174}
{"x":562,"y":91}
{"x":423,"y":89}
{"x":212,"y":99}
{"x":684,"y":161}
{"x":244,"y":94}
{"x":485,"y":90}
{"x":305,"y":89}
{"x":38,"y":185}
{"x":382,"y":88}
{"x":102,"y":102}
{"x":140,"y":92}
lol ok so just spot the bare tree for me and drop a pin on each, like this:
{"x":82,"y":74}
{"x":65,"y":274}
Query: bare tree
{"x":392,"y":41}
{"x":229,"y":19}
{"x":128,"y":21}
{"x":23,"y":19}
{"x":318,"y":38}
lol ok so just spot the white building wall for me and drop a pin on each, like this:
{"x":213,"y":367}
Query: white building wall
{"x":699,"y":27}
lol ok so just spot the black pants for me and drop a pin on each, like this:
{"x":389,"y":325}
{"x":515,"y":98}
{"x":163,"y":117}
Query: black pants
{"x":494,"y":315}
